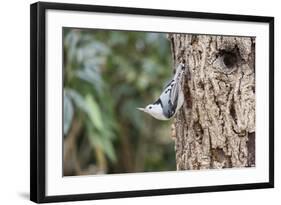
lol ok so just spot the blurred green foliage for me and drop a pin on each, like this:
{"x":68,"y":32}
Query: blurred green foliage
{"x":107,"y":75}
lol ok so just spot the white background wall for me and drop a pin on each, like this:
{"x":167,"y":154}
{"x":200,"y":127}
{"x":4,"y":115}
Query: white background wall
{"x":14,"y":100}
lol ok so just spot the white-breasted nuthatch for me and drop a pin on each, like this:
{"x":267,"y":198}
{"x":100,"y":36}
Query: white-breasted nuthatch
{"x":170,"y":100}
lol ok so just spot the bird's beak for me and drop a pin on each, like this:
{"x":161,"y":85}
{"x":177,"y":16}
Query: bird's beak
{"x":141,"y":109}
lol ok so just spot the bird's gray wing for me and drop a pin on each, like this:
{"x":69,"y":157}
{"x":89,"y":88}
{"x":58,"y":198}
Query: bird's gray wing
{"x":169,"y":100}
{"x":169,"y":97}
{"x":174,"y":94}
{"x":165,"y":95}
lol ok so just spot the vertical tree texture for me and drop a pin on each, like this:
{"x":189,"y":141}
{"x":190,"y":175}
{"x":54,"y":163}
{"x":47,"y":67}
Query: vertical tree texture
{"x":216,"y":126}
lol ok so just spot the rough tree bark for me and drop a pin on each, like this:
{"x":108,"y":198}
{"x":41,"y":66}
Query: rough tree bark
{"x":215,"y":128}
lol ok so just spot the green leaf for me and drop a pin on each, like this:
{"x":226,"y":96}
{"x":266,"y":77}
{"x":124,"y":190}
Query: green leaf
{"x":94,"y":113}
{"x":78,"y":100}
{"x":71,"y":41}
{"x":90,"y":75}
{"x":109,"y":150}
{"x":98,"y":140}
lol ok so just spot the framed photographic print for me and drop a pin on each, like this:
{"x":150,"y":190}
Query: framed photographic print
{"x":129,"y":102}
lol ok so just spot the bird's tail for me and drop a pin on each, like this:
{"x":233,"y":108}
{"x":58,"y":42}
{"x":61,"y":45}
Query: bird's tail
{"x":179,"y":72}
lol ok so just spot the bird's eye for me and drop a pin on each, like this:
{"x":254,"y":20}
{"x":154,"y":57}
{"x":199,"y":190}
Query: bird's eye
{"x":149,"y":107}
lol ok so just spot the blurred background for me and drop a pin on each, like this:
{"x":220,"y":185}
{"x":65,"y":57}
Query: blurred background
{"x":107,"y":75}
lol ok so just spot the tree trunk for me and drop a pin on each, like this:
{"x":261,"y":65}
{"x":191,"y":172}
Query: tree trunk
{"x":215,"y":128}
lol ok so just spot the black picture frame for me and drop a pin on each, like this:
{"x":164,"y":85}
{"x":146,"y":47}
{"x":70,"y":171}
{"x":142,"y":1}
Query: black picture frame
{"x":38,"y":101}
